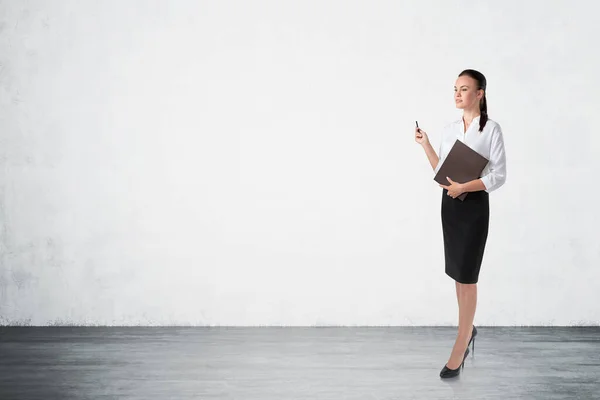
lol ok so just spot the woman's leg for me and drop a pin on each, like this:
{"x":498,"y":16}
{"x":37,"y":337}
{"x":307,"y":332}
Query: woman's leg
{"x":457,"y":293}
{"x":467,"y":303}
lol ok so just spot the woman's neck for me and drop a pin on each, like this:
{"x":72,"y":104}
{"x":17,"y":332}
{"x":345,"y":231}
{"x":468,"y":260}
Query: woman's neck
{"x":470,"y":115}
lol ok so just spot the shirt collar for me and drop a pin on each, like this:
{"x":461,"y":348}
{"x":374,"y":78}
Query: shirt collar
{"x":474,"y":119}
{"x":460,"y":126}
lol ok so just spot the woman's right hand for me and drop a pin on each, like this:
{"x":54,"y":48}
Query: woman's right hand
{"x":421,"y":136}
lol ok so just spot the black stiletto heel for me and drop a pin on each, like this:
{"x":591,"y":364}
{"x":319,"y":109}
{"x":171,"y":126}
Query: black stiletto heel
{"x":451,"y":373}
{"x":473,"y":334}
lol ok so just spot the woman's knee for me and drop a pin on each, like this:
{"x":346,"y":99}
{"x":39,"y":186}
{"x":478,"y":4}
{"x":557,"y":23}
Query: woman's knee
{"x":465,"y":286}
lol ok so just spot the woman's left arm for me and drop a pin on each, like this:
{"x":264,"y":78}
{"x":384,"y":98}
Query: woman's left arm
{"x":497,"y":174}
{"x":473,"y":186}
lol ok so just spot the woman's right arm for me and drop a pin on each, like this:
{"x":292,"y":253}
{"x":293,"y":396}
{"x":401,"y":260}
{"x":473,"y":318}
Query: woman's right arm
{"x":431,"y":156}
{"x":422,"y":138}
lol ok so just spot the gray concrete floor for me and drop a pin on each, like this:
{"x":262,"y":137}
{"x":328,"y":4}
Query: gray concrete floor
{"x":295,"y":363}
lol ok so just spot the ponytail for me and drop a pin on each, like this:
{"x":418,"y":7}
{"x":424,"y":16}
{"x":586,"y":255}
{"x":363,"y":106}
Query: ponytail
{"x":483,"y":109}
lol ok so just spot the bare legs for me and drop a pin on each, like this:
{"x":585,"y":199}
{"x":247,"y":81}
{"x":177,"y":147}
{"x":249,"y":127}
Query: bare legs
{"x":466,"y":294}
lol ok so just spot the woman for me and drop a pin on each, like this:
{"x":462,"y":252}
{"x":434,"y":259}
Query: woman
{"x":465,"y":223}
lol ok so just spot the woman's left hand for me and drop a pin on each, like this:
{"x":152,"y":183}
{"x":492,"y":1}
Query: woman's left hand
{"x":455,"y":189}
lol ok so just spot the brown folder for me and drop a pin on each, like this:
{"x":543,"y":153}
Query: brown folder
{"x":462,"y":164}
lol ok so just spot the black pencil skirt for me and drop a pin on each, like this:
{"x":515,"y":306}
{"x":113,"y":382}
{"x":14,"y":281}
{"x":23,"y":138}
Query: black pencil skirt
{"x":465,"y":227}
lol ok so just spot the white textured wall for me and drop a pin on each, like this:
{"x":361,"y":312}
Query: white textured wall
{"x":253,"y":163}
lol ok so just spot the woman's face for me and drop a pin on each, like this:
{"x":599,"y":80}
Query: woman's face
{"x":466,"y":95}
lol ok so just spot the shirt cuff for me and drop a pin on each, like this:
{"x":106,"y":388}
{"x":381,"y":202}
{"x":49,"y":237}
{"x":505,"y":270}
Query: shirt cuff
{"x":487,"y":182}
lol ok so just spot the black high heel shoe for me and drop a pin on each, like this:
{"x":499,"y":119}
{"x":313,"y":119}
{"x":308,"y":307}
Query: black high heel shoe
{"x":451,"y":373}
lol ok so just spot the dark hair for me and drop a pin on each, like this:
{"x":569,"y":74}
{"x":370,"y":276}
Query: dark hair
{"x":481,"y":84}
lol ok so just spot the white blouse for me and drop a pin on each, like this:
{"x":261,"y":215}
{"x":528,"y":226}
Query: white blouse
{"x":489,"y":143}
